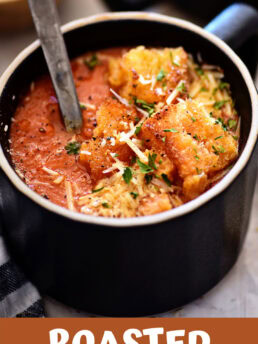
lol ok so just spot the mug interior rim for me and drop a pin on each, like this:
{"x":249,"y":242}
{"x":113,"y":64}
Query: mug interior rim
{"x":163,"y":216}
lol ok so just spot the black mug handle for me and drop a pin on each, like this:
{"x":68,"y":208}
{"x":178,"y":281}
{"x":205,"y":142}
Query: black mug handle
{"x":235,"y":24}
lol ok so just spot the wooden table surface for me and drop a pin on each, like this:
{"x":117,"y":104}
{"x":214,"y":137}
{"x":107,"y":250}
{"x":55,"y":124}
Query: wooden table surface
{"x":237,"y":294}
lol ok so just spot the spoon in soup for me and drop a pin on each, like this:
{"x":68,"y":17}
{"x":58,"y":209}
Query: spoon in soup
{"x":46,"y":21}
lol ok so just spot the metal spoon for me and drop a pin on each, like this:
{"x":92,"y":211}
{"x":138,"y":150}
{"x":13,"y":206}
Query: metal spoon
{"x":46,"y":20}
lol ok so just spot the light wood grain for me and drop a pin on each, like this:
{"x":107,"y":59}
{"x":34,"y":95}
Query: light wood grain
{"x":14,"y":15}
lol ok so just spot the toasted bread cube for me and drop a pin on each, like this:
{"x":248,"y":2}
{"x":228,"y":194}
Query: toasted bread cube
{"x":96,"y":156}
{"x":112,"y":116}
{"x":194,"y":142}
{"x":153,"y":205}
{"x":148,"y":74}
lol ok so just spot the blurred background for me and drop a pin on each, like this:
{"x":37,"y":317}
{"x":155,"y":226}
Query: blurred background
{"x":237,"y":294}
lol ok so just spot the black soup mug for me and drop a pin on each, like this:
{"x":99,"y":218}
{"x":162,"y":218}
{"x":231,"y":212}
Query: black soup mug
{"x":145,"y":265}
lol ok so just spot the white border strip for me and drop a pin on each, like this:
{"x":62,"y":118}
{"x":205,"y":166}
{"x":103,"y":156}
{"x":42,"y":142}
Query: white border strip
{"x":170,"y":214}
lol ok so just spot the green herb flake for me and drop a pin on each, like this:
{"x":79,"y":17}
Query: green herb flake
{"x":196,"y":137}
{"x":151,"y":161}
{"x":235,"y":137}
{"x":137,"y":119}
{"x":138,"y":129}
{"x":197,"y":157}
{"x":181,"y":87}
{"x":148,"y":178}
{"x":149,"y":107}
{"x":92,"y":62}
{"x":214,"y":91}
{"x":223,"y":85}
{"x":219,"y":149}
{"x":134,"y":194}
{"x":133,"y":161}
{"x":172,"y":130}
{"x":160,"y":161}
{"x":166,"y":179}
{"x":143,"y":167}
{"x":218,"y":105}
{"x":203,"y":89}
{"x":73,"y":148}
{"x":163,"y":139}
{"x":199,"y":171}
{"x":127,"y":175}
{"x":106,"y":205}
{"x":82,"y":106}
{"x":232,"y":123}
{"x":161,"y":75}
{"x":222,"y":123}
{"x":199,"y":70}
{"x":193,"y":119}
{"x":97,"y":190}
{"x":218,"y":137}
{"x":172,"y":60}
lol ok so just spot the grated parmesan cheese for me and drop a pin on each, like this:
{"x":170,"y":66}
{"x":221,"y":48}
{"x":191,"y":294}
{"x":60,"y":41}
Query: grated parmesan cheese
{"x":174,"y":94}
{"x":137,"y":151}
{"x":58,"y":180}
{"x":88,"y":106}
{"x":49,"y":171}
{"x":122,"y":100}
{"x":85,"y":152}
{"x":69,"y":195}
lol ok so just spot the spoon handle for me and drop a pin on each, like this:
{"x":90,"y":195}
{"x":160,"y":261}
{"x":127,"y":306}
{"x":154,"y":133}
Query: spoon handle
{"x":46,"y":20}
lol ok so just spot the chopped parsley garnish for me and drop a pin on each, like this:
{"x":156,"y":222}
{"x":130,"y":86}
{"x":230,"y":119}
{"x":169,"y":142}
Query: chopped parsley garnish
{"x":137,"y":119}
{"x":197,"y":157}
{"x":223,"y":85}
{"x":218,"y":105}
{"x":235,"y":138}
{"x":106,"y":205}
{"x":160,"y":161}
{"x":218,"y":137}
{"x":166,"y":179}
{"x":161,"y":75}
{"x":203,"y":89}
{"x":214,"y":91}
{"x":199,"y":70}
{"x":219,"y":149}
{"x":73,"y":147}
{"x":172,"y":60}
{"x":92,"y":62}
{"x":133,"y":161}
{"x":151,"y":161}
{"x":193,"y":119}
{"x":232,"y":123}
{"x":163,"y":139}
{"x":97,"y":190}
{"x":143,"y":167}
{"x":172,"y":130}
{"x":138,"y":129}
{"x":127,"y":175}
{"x":82,"y":106}
{"x":222,"y":123}
{"x":148,"y":178}
{"x":134,"y":194}
{"x":198,"y":170}
{"x":181,"y":87}
{"x":196,"y":137}
{"x":149,"y":107}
